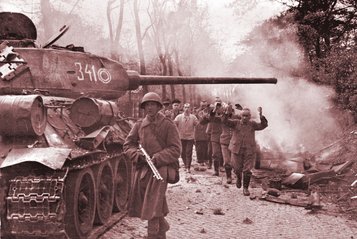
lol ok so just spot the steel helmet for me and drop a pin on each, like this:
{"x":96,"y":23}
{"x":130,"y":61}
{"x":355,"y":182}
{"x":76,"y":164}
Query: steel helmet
{"x":150,"y":96}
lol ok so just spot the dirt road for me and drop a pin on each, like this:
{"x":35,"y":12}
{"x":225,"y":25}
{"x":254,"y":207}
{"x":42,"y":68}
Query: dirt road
{"x":204,"y":206}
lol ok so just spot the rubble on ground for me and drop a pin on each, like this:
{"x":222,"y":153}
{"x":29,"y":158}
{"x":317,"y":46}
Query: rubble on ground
{"x":326,"y":177}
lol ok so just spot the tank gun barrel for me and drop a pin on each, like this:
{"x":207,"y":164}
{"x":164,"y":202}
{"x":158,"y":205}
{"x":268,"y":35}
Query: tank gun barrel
{"x":177,"y":80}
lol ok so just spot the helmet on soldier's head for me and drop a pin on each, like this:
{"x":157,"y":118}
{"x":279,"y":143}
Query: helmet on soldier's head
{"x":150,"y":96}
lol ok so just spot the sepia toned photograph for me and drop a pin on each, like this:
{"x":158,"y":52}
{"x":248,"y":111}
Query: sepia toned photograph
{"x":178,"y":119}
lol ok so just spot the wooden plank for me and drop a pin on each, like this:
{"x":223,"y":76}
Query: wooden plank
{"x":100,"y":230}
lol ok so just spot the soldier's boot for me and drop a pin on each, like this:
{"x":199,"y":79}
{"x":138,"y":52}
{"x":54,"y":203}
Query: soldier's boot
{"x":153,"y":228}
{"x":164,"y":227}
{"x":246,"y":181}
{"x":209,"y":164}
{"x":228,"y":169}
{"x":216,"y":168}
{"x":239,"y":179}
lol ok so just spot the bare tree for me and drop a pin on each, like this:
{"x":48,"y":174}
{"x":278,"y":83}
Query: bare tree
{"x":139,"y":41}
{"x":176,"y":28}
{"x":46,"y":12}
{"x":180,"y":74}
{"x":158,"y":34}
{"x":115,"y":32}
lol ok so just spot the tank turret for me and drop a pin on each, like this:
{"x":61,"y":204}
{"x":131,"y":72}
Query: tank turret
{"x":62,"y":168}
{"x":70,"y":72}
{"x":73,"y":74}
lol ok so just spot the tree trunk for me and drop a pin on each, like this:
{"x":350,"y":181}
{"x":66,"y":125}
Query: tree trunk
{"x":110,"y":26}
{"x":120,"y":23}
{"x":114,"y":38}
{"x":139,"y":42}
{"x":162,"y":58}
{"x":171,"y":73}
{"x":46,"y":12}
{"x":179,"y":72}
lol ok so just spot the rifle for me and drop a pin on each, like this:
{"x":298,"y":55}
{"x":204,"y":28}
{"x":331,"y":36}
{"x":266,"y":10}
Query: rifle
{"x":150,"y":163}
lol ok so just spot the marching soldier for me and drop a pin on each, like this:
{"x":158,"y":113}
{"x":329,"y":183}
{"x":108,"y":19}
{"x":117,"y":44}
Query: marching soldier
{"x":166,"y":109}
{"x":201,"y":137}
{"x":159,"y":136}
{"x":225,"y":138}
{"x":214,"y":129}
{"x":243,"y":146}
{"x":176,"y":108}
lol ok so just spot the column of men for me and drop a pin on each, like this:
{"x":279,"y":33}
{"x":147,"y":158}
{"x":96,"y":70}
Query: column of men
{"x":232,"y":139}
{"x":223,"y":135}
{"x":165,"y":132}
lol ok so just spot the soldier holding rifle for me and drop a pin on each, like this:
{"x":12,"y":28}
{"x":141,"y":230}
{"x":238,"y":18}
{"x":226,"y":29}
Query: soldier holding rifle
{"x":159,"y":137}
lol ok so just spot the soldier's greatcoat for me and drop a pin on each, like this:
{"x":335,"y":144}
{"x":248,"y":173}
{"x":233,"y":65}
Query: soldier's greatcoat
{"x":244,"y":134}
{"x":242,"y":144}
{"x":161,"y":140}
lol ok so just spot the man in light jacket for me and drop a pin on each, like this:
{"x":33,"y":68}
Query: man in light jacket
{"x":186,"y":123}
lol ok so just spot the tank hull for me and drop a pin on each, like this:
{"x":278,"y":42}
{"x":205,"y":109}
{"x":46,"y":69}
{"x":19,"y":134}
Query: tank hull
{"x":53,"y":185}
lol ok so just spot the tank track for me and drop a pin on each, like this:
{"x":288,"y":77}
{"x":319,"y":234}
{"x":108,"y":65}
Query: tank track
{"x":35,"y":205}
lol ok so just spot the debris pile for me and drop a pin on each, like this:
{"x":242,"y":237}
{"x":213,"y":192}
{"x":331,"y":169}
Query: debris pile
{"x":313,"y":180}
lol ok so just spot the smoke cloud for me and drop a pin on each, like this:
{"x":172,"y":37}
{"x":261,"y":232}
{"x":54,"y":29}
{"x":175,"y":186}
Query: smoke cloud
{"x":299,"y":112}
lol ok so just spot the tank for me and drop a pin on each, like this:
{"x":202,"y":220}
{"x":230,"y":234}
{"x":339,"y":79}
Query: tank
{"x":63,"y":171}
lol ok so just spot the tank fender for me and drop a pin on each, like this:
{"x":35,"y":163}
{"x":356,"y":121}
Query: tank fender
{"x":51,"y":157}
{"x":94,"y":139}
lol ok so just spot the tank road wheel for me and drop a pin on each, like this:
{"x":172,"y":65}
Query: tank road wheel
{"x":121,"y":184}
{"x":80,"y":203}
{"x":105,"y":192}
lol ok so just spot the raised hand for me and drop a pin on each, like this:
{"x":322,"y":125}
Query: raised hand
{"x":260,"y":110}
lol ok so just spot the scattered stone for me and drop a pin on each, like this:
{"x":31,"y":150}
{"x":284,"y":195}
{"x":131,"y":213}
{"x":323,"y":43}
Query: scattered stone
{"x":218,"y":211}
{"x":293,"y":195}
{"x":247,"y":221}
{"x":274,"y":192}
{"x":199,"y":211}
{"x":202,"y":230}
{"x":190,"y":179}
{"x":252,"y":197}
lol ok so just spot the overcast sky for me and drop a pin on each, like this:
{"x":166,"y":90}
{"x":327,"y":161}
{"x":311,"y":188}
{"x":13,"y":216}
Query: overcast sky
{"x":226,"y":27}
{"x":229,"y":28}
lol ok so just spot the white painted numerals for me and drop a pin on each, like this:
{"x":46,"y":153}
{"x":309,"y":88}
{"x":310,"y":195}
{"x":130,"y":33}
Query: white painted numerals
{"x":90,"y":73}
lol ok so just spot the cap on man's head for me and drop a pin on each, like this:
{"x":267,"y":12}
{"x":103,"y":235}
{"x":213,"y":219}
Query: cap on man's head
{"x":203,"y":103}
{"x":246,"y":112}
{"x":186,"y":105}
{"x":176,"y":101}
{"x":166,"y":102}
